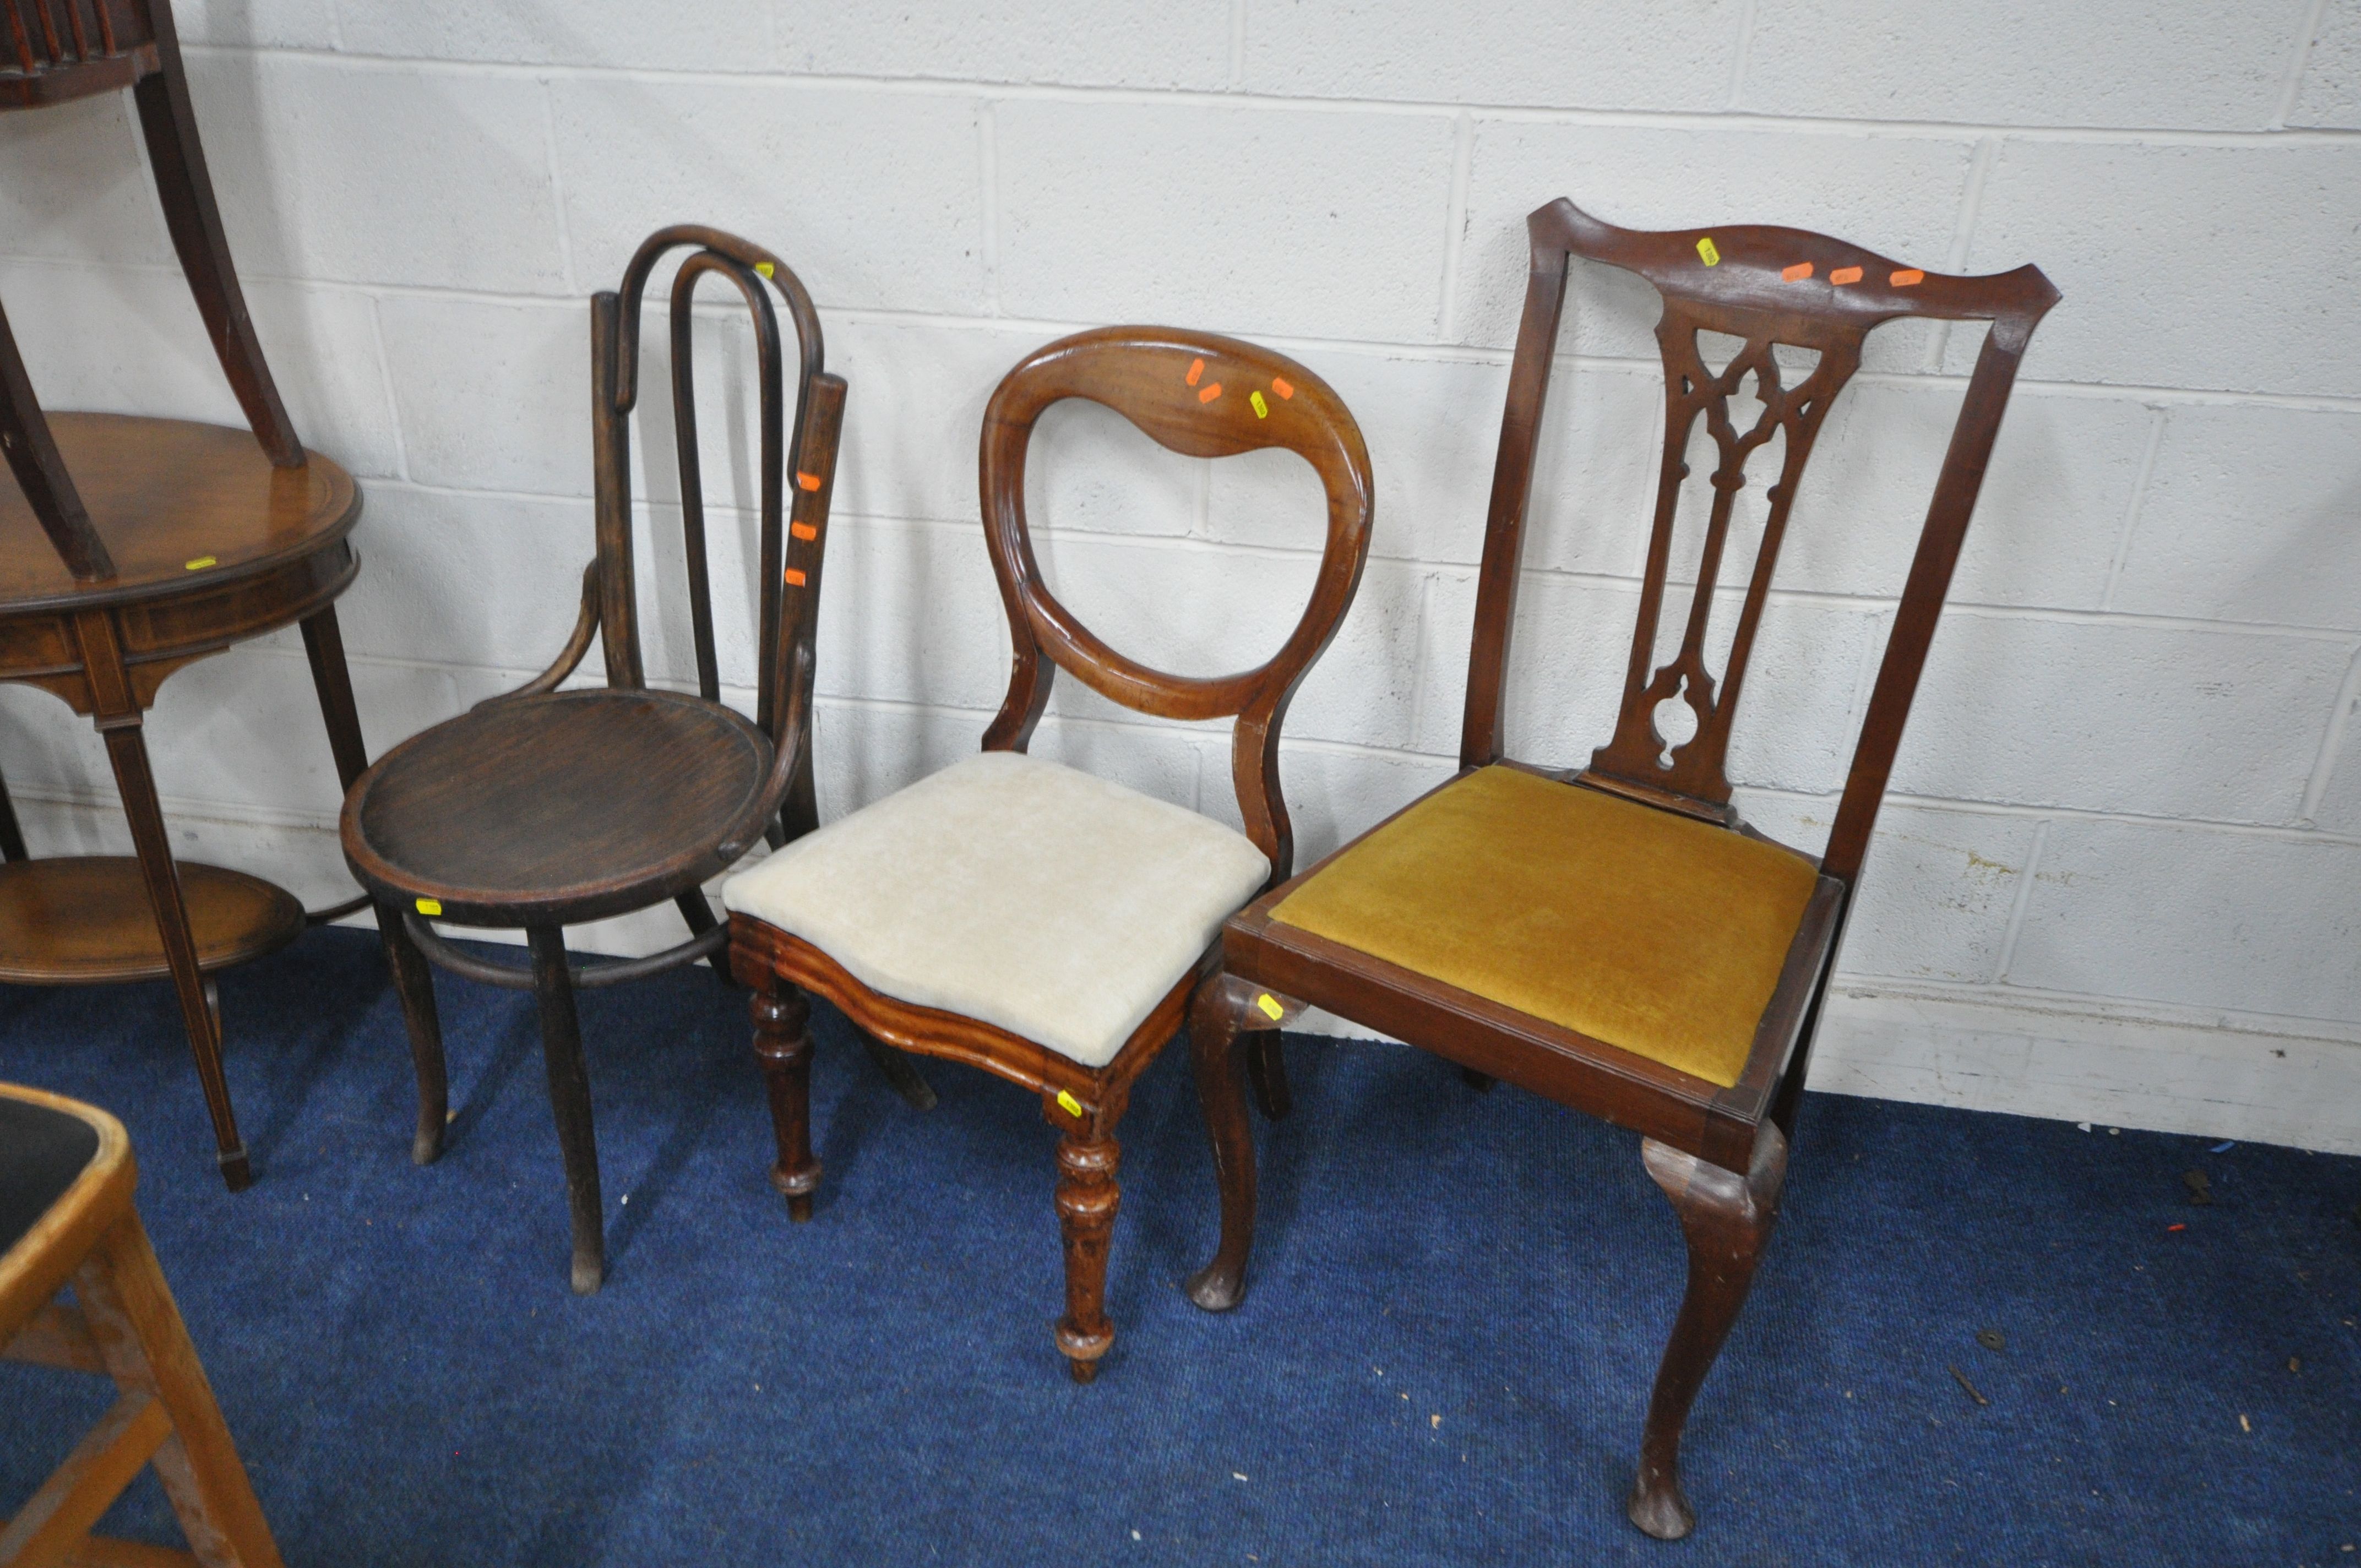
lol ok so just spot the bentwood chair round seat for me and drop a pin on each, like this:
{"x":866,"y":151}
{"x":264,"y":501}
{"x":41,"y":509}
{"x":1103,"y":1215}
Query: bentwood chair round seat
{"x":566,"y":807}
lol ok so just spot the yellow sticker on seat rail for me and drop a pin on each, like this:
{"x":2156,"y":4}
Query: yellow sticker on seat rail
{"x":1068,"y":1103}
{"x":1270,"y":1006}
{"x":430,"y":907}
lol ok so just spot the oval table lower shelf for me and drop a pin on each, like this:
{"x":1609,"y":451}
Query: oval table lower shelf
{"x":78,"y":918}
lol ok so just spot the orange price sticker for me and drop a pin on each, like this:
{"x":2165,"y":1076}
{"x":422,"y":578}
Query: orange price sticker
{"x":1844,"y":275}
{"x":1905,"y":276}
{"x":807,"y":481}
{"x":803,"y":530}
{"x":1797,"y":273}
{"x":1208,"y":392}
{"x":1196,"y":368}
{"x":795,"y":578}
{"x":1708,"y":253}
{"x":1282,"y":386}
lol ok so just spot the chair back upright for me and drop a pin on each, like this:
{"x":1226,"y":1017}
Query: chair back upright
{"x":790,"y":548}
{"x":1202,"y":396}
{"x":1769,"y":288}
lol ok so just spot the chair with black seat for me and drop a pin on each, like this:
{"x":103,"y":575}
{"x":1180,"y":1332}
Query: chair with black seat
{"x":1613,"y":938}
{"x":543,"y":807}
{"x":67,"y":1221}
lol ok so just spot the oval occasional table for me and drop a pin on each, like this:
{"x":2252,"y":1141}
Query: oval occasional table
{"x":211,"y":545}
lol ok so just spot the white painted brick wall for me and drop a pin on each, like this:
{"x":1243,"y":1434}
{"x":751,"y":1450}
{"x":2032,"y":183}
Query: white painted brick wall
{"x":2131,"y":799}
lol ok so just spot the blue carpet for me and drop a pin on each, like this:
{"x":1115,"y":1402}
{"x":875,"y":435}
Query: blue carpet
{"x":1457,"y":1310}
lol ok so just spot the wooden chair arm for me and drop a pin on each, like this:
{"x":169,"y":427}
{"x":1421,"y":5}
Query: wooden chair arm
{"x":570,"y":656}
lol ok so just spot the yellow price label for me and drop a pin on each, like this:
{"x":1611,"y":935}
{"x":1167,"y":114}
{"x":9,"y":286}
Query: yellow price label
{"x":1261,"y":409}
{"x":1270,"y":1006}
{"x":766,"y":268}
{"x":1068,"y":1104}
{"x":1707,"y":253}
{"x":200,"y":563}
{"x":430,"y":907}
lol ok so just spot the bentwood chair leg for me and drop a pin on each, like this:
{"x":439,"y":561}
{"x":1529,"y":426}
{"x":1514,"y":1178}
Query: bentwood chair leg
{"x":413,"y":984}
{"x":186,"y":191}
{"x":12,"y":837}
{"x":1727,"y":1219}
{"x":569,"y":1099}
{"x":128,"y":753}
{"x":701,"y":919}
{"x":783,"y":1045}
{"x":1087,"y":1199}
{"x":1216,"y":1015}
{"x":129,"y":1309}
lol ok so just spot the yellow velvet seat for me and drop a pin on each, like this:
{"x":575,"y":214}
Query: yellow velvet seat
{"x":1654,"y":933}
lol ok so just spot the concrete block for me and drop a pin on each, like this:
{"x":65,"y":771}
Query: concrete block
{"x":74,"y":185}
{"x":260,"y":24}
{"x":863,"y":751}
{"x":1258,"y":221}
{"x":2155,"y":296}
{"x":1168,"y":761}
{"x":1936,"y":894}
{"x":909,"y":612}
{"x":2331,"y":94}
{"x":2105,"y":717}
{"x":128,"y":340}
{"x":1072,"y":43}
{"x":1621,"y":55}
{"x":450,"y":577}
{"x":1091,"y":469}
{"x":710,"y":36}
{"x":2045,"y":525}
{"x":351,"y":174}
{"x":1896,"y":195}
{"x":2187,"y":64}
{"x":886,"y":208}
{"x":492,"y":396}
{"x":2251,"y":514}
{"x":914,"y":411}
{"x":1334,"y":793}
{"x":2339,"y":810}
{"x":2196,"y":916}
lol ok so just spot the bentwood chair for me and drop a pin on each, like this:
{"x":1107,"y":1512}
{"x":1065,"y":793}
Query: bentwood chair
{"x":1612,"y":938}
{"x":166,"y":541}
{"x":1035,"y":921}
{"x":67,"y":1220}
{"x":543,"y":807}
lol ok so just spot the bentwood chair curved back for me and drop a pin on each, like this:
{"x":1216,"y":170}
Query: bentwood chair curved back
{"x":543,"y":807}
{"x":1037,"y":922}
{"x":1612,"y":938}
{"x":67,"y":1219}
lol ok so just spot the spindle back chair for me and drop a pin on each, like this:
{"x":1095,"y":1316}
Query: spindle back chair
{"x":545,"y":808}
{"x":1611,"y":936}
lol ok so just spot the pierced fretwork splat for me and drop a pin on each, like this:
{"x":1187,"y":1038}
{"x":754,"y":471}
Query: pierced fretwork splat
{"x":1688,"y":775}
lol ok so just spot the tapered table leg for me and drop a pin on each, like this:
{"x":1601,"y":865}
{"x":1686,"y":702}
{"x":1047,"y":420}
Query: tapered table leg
{"x":323,"y":643}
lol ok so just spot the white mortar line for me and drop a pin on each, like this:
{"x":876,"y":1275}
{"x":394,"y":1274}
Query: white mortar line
{"x":987,"y":141}
{"x":1963,"y":230}
{"x":1740,"y":58}
{"x":2156,"y":420}
{"x":2292,"y":88}
{"x":558,"y":188}
{"x":392,"y":403}
{"x":2348,"y":695}
{"x":1238,"y":46}
{"x":2018,"y":904}
{"x":1418,"y":666}
{"x":2152,"y":135}
{"x":1454,"y":228}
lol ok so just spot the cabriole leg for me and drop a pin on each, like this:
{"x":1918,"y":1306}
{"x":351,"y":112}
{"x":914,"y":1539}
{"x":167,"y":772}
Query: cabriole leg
{"x":784,"y":1046}
{"x":1216,"y":1015}
{"x":569,"y":1099}
{"x":1727,"y":1218}
{"x":1087,"y":1199}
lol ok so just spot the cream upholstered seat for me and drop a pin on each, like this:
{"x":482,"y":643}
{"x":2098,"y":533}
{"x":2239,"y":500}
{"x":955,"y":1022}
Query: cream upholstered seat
{"x":1031,"y":896}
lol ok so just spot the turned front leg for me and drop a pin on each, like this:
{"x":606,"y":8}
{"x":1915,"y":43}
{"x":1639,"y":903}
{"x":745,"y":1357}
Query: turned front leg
{"x":1087,"y":1199}
{"x":783,"y":1044}
{"x":1727,"y":1219}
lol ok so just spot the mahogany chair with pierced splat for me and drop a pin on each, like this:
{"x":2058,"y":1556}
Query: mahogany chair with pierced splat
{"x":1613,"y":938}
{"x":1041,"y":923}
{"x":544,"y":808}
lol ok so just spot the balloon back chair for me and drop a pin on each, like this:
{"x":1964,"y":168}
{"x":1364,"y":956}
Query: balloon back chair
{"x":1035,"y":921}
